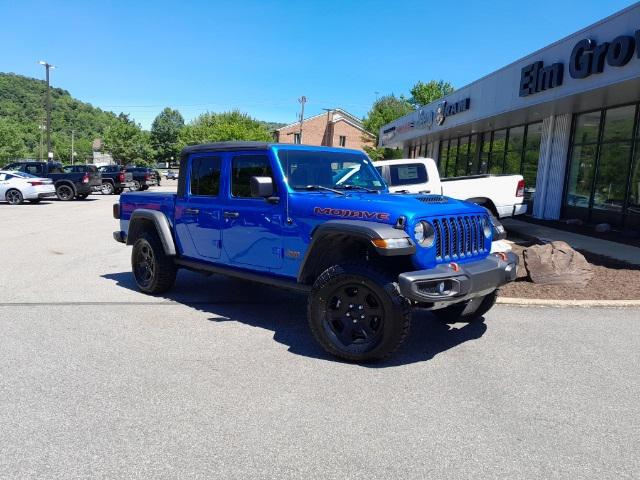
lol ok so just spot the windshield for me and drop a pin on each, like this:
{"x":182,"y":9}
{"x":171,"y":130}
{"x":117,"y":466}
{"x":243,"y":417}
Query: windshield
{"x":305,"y":168}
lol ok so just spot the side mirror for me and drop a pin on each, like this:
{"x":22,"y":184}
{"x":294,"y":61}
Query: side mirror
{"x":261,"y":187}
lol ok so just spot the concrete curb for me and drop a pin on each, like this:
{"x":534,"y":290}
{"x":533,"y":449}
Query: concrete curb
{"x":567,"y":303}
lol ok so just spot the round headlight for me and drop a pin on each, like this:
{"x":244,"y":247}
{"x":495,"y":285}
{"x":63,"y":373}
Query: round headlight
{"x":424,"y":234}
{"x":486,"y":227}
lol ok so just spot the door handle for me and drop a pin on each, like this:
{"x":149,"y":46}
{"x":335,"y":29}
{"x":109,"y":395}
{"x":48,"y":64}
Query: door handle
{"x":192,"y":211}
{"x":231,"y":214}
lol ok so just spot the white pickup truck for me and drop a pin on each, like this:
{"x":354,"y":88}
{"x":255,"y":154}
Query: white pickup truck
{"x":502,"y":194}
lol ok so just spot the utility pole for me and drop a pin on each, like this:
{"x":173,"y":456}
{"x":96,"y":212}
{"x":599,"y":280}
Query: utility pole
{"x":302,"y":101}
{"x":41,"y":127}
{"x":47,"y":67}
{"x":72,"y":152}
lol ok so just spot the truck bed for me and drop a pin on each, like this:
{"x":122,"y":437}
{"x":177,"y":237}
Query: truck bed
{"x":161,"y":201}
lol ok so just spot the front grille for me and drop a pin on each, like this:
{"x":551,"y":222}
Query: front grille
{"x":432,"y":199}
{"x":459,"y":237}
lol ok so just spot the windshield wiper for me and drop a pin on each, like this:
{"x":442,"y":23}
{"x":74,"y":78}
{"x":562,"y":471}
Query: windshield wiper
{"x":320,"y":187}
{"x":355,"y":187}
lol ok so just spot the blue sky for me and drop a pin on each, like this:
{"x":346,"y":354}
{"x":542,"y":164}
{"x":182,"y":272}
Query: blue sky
{"x":260,"y":56}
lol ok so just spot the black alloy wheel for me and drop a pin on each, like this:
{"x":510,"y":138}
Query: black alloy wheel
{"x":144,"y":266}
{"x":355,"y":317}
{"x":356,"y":313}
{"x":64,"y":193}
{"x":153,"y":270}
{"x":14,"y":197}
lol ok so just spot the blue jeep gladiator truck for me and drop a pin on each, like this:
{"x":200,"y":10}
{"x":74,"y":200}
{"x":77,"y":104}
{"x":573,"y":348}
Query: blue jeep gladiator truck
{"x":283,"y":215}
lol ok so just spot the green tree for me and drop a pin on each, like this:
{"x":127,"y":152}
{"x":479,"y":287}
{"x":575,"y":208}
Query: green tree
{"x":128,"y":143}
{"x":384,"y":110}
{"x":219,"y":127}
{"x":425,"y":93}
{"x":165,"y":134}
{"x":12,"y":145}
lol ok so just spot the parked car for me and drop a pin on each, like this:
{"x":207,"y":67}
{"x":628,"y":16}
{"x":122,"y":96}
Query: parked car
{"x":273,"y":213}
{"x":503,"y":195}
{"x":115,"y":179}
{"x":69,"y":185}
{"x":172,"y":175}
{"x":16,"y":187}
{"x":143,"y":178}
{"x":95,"y":177}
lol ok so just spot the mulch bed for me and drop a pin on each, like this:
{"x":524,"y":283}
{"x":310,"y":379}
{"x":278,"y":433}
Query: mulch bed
{"x":612,"y":280}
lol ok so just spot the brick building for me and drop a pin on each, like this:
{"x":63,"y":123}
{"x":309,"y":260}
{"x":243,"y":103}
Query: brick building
{"x":335,"y":128}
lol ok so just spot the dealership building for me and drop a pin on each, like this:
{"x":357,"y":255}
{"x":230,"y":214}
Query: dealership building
{"x":566,"y":117}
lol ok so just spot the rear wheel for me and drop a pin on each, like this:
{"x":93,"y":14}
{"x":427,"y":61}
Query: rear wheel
{"x":14,"y":197}
{"x":153,"y":270}
{"x":64,"y":192}
{"x":107,"y":188}
{"x":356,"y":313}
{"x":468,"y":311}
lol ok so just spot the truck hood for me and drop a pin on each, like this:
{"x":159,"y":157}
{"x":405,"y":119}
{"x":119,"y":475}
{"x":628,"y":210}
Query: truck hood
{"x":383,"y":207}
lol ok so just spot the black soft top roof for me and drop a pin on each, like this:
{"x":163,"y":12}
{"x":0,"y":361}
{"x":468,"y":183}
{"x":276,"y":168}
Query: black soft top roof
{"x":226,"y":146}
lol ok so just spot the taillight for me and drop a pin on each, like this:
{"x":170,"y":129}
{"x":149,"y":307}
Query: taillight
{"x":121,"y":177}
{"x":520,"y":189}
{"x":35,"y":183}
{"x":85,"y":179}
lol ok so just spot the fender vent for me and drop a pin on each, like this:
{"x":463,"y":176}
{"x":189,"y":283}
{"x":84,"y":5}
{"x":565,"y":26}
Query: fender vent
{"x":432,"y":199}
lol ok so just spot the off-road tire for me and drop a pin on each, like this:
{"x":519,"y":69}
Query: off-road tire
{"x":163,"y":270}
{"x":395,"y":323}
{"x":107,"y":188}
{"x":14,"y":197}
{"x":64,"y":192}
{"x":469,"y":311}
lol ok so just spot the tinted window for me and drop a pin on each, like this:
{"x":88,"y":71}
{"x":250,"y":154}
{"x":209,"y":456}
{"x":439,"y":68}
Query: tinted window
{"x":408,"y":174}
{"x":243,"y":168}
{"x":33,"y":169}
{"x":205,"y":176}
{"x":54,"y":169}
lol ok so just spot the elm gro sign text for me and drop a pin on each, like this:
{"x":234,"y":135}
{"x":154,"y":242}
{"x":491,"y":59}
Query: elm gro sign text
{"x":587,"y":58}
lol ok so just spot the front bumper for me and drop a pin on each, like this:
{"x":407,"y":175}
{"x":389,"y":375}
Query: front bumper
{"x":443,"y":285}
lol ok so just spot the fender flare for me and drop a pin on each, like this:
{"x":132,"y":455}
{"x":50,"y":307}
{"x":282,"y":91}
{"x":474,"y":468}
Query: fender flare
{"x":161,"y":224}
{"x":361,"y":230}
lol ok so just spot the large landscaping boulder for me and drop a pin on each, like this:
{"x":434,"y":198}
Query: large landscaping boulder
{"x":556,"y":263}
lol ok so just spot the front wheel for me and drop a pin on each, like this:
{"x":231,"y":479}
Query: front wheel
{"x":14,"y":197}
{"x":356,"y":313}
{"x":153,"y":270}
{"x":468,"y":311}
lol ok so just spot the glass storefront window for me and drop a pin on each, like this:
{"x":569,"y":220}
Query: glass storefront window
{"x":472,"y":160}
{"x":583,"y":160}
{"x":442,"y":158}
{"x":484,"y":156}
{"x":497,"y":151}
{"x":463,"y":152}
{"x":587,"y":127}
{"x":633,"y":220}
{"x":534,"y":136}
{"x":612,"y":176}
{"x":453,"y":158}
{"x":618,"y":123}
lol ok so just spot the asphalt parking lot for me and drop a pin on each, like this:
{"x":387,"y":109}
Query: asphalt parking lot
{"x":221,"y":379}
